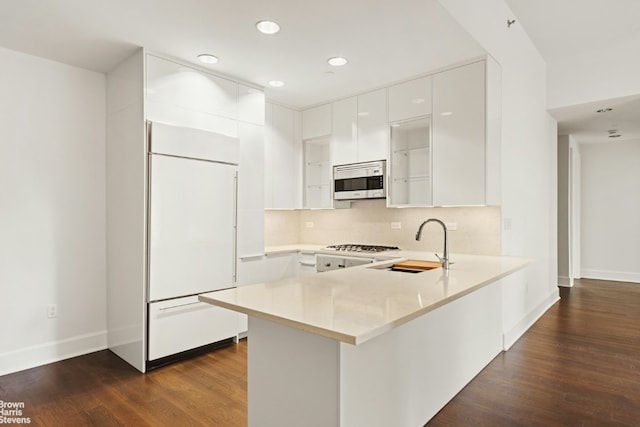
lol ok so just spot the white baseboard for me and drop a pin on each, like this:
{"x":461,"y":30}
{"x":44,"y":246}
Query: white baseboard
{"x":618,"y":276}
{"x":54,"y":351}
{"x":564,"y":281}
{"x":510,"y":337}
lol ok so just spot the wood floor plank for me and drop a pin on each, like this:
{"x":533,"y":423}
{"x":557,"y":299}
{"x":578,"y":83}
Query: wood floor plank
{"x":579,"y":365}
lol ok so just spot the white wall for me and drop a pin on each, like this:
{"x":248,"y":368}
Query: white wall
{"x":610,"y":208}
{"x":529,"y":159}
{"x":52,"y":211}
{"x":605,"y":73}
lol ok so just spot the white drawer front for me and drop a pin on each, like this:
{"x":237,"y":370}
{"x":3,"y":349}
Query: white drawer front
{"x":185,"y":323}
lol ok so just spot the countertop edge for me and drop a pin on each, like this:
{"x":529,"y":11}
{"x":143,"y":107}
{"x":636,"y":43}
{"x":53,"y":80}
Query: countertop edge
{"x":368,"y":335}
{"x":339,"y":336}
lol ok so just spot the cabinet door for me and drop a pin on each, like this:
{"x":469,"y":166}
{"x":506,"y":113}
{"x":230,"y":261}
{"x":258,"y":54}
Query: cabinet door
{"x":192,"y":222}
{"x":185,"y":323}
{"x":410,"y":163}
{"x":317,"y":174}
{"x":316,"y":122}
{"x":250,"y":190}
{"x":373,"y":137}
{"x":180,"y":95}
{"x":344,"y":136}
{"x":410,"y":99}
{"x":251,"y":269}
{"x":459,"y":136}
{"x":306,"y":264}
{"x":280,"y":266}
{"x":283,"y":159}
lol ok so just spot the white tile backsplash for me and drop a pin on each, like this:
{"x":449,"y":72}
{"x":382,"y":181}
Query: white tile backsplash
{"x":370,"y":222}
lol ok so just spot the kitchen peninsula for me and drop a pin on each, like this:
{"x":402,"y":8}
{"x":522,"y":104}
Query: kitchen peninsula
{"x":366,"y":345}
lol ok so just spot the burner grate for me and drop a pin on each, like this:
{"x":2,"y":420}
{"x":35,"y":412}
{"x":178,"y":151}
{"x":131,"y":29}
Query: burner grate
{"x":351,"y":247}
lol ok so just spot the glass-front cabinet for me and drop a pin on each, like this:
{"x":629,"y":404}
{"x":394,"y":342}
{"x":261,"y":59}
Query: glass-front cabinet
{"x":410,"y":163}
{"x":317,"y":174}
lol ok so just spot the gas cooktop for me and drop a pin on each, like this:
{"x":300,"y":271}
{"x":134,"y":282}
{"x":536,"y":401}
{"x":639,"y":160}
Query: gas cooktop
{"x":362,"y":248}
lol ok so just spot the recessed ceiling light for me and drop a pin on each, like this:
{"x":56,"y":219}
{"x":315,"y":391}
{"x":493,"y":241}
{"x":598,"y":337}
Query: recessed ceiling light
{"x":276,"y":83}
{"x":604,"y":110}
{"x":267,"y":27}
{"x":207,"y":58}
{"x":337,"y":61}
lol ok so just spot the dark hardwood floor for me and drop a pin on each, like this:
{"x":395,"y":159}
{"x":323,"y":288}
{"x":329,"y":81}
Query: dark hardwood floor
{"x":579,"y":365}
{"x":100,"y":389}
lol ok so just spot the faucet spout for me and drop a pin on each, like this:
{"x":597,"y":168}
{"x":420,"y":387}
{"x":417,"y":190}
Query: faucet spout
{"x":445,"y":254}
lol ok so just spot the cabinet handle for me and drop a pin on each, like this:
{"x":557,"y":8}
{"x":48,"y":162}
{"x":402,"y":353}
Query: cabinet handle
{"x":250,"y":256}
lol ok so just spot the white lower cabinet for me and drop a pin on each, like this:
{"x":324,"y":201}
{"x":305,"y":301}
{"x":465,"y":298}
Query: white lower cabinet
{"x":279,"y":266}
{"x":270,"y":268}
{"x":184,"y":323}
{"x":250,"y":271}
{"x":306,"y":263}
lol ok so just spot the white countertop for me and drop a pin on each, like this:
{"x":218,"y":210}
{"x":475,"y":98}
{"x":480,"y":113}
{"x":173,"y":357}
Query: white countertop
{"x":357,"y":304}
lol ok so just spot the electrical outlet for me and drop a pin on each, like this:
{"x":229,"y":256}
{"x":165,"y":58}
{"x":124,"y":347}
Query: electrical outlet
{"x":451,"y":226}
{"x":396,"y":225}
{"x":308,"y":224}
{"x":52,"y":311}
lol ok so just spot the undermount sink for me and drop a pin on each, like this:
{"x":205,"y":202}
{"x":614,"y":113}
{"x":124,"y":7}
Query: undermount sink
{"x":409,"y":266}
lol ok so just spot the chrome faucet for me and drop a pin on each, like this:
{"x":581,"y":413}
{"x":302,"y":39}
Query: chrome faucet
{"x":445,"y":255}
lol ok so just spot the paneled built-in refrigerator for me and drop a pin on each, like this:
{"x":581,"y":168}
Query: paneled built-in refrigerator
{"x":191,"y":238}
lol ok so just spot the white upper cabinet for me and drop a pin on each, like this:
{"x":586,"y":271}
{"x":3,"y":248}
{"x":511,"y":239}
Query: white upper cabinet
{"x":283,"y":160}
{"x":373,"y":140}
{"x":316,"y":122}
{"x":459,"y":136}
{"x":409,"y":181}
{"x":410,"y":99}
{"x":250,"y":190}
{"x":317,"y":173}
{"x":344,"y":137}
{"x":360,"y":131}
{"x":184,"y":96}
{"x":250,"y":105}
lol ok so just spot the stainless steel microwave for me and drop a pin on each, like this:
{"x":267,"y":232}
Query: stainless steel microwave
{"x":360,"y":181}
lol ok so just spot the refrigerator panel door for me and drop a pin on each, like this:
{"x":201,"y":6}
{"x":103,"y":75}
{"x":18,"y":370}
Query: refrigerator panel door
{"x":191,"y":227}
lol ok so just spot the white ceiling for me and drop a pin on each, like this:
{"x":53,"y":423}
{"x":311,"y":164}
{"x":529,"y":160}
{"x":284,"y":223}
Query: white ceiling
{"x":384,"y":41}
{"x":588,"y":126}
{"x":563,"y":28}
